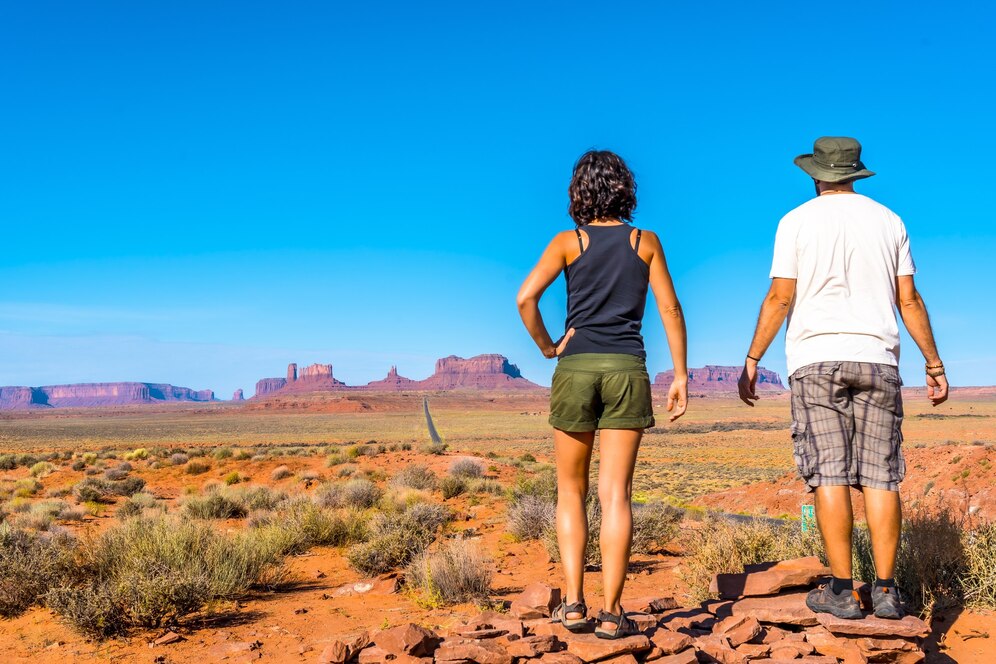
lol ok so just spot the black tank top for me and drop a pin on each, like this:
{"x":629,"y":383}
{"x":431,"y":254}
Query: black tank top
{"x":607,"y":294}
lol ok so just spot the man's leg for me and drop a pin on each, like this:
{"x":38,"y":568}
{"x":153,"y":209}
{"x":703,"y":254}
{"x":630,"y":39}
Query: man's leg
{"x":836,"y":522}
{"x":884,"y":513}
{"x":573,"y":452}
{"x":616,"y":461}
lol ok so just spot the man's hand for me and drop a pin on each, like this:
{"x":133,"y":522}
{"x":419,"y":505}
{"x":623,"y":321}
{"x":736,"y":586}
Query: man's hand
{"x":937,"y":389}
{"x":677,"y":398}
{"x":747,"y":383}
{"x":558,"y":348}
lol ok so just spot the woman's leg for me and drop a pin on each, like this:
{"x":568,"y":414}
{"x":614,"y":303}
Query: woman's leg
{"x":573,"y":450}
{"x":616,"y":460}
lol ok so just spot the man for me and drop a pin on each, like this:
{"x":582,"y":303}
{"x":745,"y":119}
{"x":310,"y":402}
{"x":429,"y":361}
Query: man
{"x":842,"y":265}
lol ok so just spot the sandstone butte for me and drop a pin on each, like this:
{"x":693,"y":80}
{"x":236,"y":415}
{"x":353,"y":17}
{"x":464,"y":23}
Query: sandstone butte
{"x":83,"y":395}
{"x":712,"y":379}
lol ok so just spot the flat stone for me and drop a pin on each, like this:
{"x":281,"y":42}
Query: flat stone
{"x":410,"y":639}
{"x":537,"y":600}
{"x":769,"y":578}
{"x":684,"y":657}
{"x":872,"y":646}
{"x":335,"y":653}
{"x":643,"y":621}
{"x":717,"y":648}
{"x":550,"y":627}
{"x":621,"y":659}
{"x":670,"y":643}
{"x":826,"y":643}
{"x":533,"y":646}
{"x":372,"y":655}
{"x":653,"y":604}
{"x":787,"y":609}
{"x":481,"y":652}
{"x":560,"y":658}
{"x":738,"y":629}
{"x":754,"y":650}
{"x":167,"y":638}
{"x":495,"y":620}
{"x":683,"y":618}
{"x":590,"y":648}
{"x":468,"y":632}
{"x":813,"y":659}
{"x":718,"y":607}
{"x":908,"y":627}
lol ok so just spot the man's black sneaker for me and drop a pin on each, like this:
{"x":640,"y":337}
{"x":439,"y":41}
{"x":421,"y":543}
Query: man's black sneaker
{"x":824,"y":600}
{"x":886,"y":603}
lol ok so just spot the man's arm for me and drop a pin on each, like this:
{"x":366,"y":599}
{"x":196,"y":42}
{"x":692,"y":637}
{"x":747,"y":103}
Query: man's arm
{"x":917,"y":322}
{"x":774,"y":309}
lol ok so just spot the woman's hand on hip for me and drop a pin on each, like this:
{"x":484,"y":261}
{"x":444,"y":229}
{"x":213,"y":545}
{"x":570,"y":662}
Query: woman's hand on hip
{"x":559,"y":346}
{"x":677,"y":398}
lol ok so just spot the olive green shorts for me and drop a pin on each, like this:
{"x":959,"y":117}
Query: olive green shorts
{"x":601,"y":391}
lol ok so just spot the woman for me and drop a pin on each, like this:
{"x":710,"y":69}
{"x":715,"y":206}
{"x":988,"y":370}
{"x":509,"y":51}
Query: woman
{"x":601,"y":381}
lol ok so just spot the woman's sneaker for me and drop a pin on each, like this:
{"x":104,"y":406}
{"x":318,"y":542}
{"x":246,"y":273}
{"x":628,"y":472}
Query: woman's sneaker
{"x":886,"y":603}
{"x":825,"y":600}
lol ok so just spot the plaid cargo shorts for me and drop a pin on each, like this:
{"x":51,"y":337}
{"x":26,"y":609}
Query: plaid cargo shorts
{"x":847,"y":425}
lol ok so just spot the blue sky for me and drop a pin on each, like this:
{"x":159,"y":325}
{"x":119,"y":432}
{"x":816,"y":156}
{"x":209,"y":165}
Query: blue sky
{"x":201,"y":192}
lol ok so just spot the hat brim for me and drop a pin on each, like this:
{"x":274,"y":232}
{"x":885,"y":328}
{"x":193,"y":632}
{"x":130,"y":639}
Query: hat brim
{"x":814,"y":170}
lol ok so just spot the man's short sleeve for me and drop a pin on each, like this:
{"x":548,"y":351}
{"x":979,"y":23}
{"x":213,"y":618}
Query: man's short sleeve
{"x":905,"y":266}
{"x":785,"y":264}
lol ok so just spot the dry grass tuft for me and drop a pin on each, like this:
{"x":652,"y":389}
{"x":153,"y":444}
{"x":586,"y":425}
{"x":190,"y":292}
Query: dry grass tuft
{"x":456,"y":572}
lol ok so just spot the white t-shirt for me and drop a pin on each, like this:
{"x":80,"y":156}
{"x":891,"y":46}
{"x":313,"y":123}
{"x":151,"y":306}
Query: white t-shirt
{"x":845,"y":252}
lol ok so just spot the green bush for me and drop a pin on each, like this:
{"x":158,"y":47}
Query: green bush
{"x":232,"y":478}
{"x":467,"y":468}
{"x":397,"y":538}
{"x":452,"y":486}
{"x":280,"y":472}
{"x":214,"y":505}
{"x":223,"y":453}
{"x":457,"y":572}
{"x":310,"y":525}
{"x":30,"y":564}
{"x":654,"y":526}
{"x":41,"y":469}
{"x":358,"y":493}
{"x":434,"y":448}
{"x":197,"y":467}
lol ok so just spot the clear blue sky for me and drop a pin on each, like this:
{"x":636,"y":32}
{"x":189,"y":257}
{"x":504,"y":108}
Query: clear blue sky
{"x":201,"y":192}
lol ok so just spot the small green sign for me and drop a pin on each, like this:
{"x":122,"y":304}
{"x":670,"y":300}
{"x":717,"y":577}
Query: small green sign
{"x":808,"y":517}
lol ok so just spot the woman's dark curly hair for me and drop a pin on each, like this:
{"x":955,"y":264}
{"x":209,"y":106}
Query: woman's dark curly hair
{"x":602,"y":187}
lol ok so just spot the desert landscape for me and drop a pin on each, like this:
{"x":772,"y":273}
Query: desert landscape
{"x":320,"y":522}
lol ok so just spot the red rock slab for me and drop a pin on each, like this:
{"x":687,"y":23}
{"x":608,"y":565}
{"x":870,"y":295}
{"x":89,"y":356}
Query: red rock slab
{"x":410,"y":639}
{"x":621,"y":659}
{"x":791,"y":649}
{"x":871,"y":646}
{"x":908,"y":627}
{"x":544,"y":627}
{"x":643,"y":621}
{"x":495,"y":620}
{"x":716,"y":648}
{"x":560,"y":658}
{"x":684,"y":657}
{"x":482,"y":652}
{"x":670,"y":643}
{"x":754,"y":650}
{"x":826,"y":643}
{"x":533,"y":646}
{"x":769,"y":578}
{"x":590,"y":648}
{"x":167,"y":638}
{"x":467,"y":632}
{"x":718,"y":607}
{"x":537,"y":600}
{"x":335,"y":653}
{"x":372,"y":655}
{"x":653,"y":604}
{"x":738,"y":629}
{"x":812,"y":659}
{"x":789,"y":609}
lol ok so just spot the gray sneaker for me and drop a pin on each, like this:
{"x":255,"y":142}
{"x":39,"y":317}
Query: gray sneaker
{"x":824,"y":600}
{"x":886,"y":603}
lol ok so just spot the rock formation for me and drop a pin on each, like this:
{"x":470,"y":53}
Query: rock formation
{"x":238,"y":396}
{"x":393,"y":382}
{"x":266,"y":386}
{"x":81,"y":395}
{"x":711,"y":379}
{"x":312,"y":378}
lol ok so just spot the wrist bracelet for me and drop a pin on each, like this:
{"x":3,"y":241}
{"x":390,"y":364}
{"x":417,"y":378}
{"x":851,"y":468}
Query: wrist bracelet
{"x":935,"y":366}
{"x":936,"y":373}
{"x":756,"y":359}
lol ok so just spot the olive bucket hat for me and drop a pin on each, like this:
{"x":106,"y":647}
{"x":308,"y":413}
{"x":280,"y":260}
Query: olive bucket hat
{"x":834,"y":159}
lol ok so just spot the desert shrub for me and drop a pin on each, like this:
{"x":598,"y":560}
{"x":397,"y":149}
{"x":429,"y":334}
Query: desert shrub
{"x":484,"y":485}
{"x":178,"y":459}
{"x":115,"y":474}
{"x":457,"y":572}
{"x":196,"y":452}
{"x":334,"y":459}
{"x":467,"y":468}
{"x":214,"y":505}
{"x":243,"y":455}
{"x":397,"y":538}
{"x":416,"y":477}
{"x":232,"y":478}
{"x":979,"y":576}
{"x":27,"y":460}
{"x":308,"y":476}
{"x":280,"y":472}
{"x":542,"y":484}
{"x":356,"y":451}
{"x":223,"y":453}
{"x":258,"y":497}
{"x":452,"y":486}
{"x":89,"y":458}
{"x":136,"y":505}
{"x":8,"y":462}
{"x":139,"y":454}
{"x":91,"y":490}
{"x":125,"y":466}
{"x":41,"y":469}
{"x":592,"y":553}
{"x":726,"y":546}
{"x":30,"y":564}
{"x":434,"y":448}
{"x":126,"y":487}
{"x":406,"y":447}
{"x":152,"y":572}
{"x":347,"y":470}
{"x":315,"y":526}
{"x":530,"y":517}
{"x":197,"y":467}
{"x":358,"y":493}
{"x":78,"y":465}
{"x":654,"y":526}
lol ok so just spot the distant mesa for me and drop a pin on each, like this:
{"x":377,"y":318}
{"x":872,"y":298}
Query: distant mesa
{"x":713,"y":379}
{"x":238,"y":396}
{"x":481,"y":372}
{"x":84,"y":395}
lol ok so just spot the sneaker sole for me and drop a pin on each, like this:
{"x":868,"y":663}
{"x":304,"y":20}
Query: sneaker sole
{"x":889,"y":615}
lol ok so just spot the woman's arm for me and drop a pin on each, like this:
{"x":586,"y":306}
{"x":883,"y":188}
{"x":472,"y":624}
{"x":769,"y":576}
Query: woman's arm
{"x":549,"y":267}
{"x":674,"y":325}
